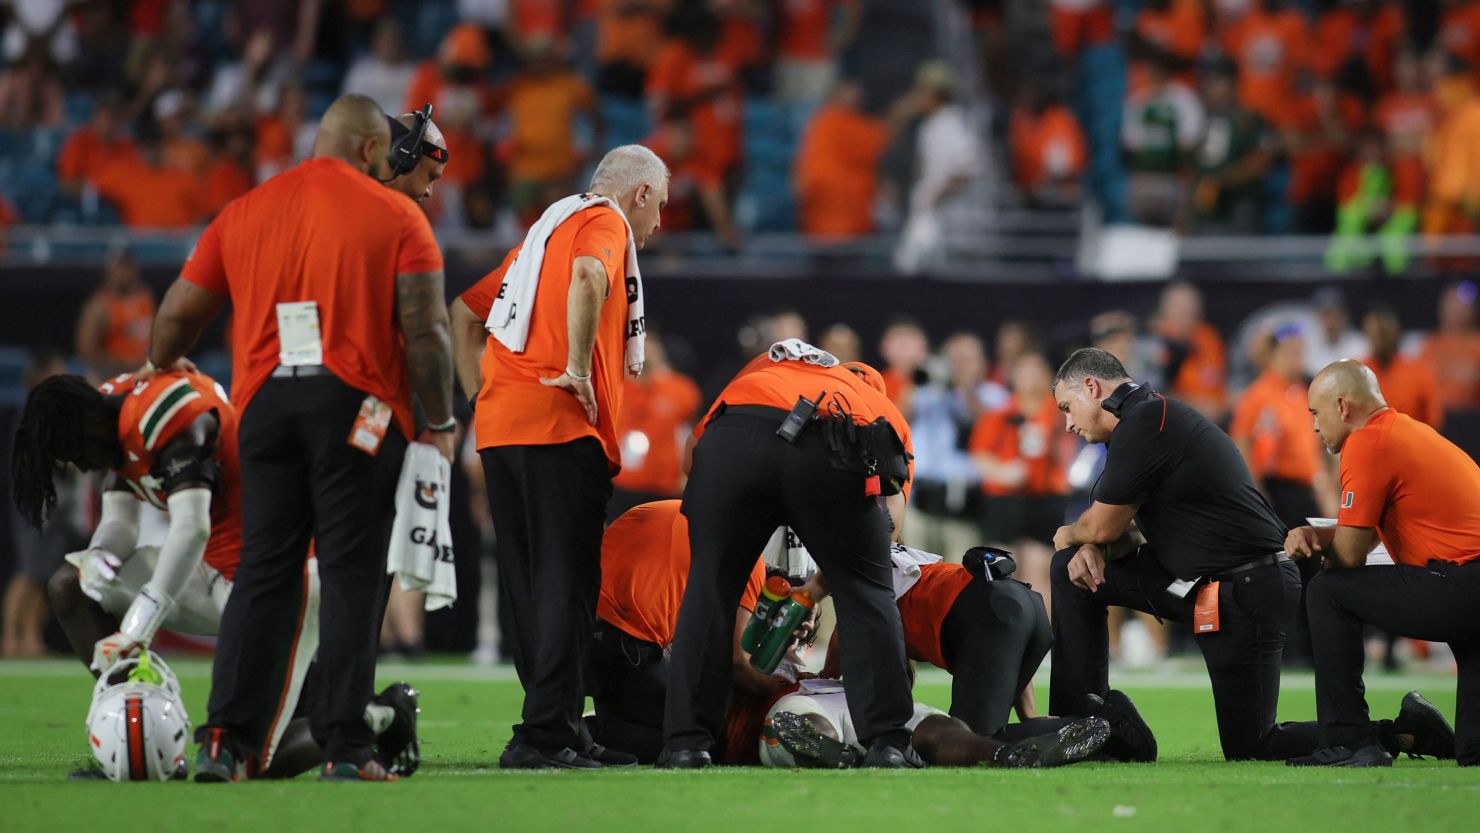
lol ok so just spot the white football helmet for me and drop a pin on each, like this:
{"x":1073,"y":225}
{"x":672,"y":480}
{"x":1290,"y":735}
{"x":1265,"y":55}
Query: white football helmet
{"x":137,"y":727}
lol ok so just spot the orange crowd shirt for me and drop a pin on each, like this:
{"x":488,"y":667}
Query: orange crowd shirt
{"x":1272,"y":417}
{"x":1341,"y":34}
{"x":645,"y":567}
{"x":628,"y":31}
{"x":1270,"y":50}
{"x":837,"y":172}
{"x":513,"y":407}
{"x":1077,"y":24}
{"x":706,"y":86}
{"x":85,"y":155}
{"x":1455,"y":362}
{"x":1179,"y":30}
{"x":1046,"y":146}
{"x":1419,"y":490}
{"x":542,"y":111}
{"x":327,"y":233}
{"x":658,"y":411}
{"x":1459,"y":33}
{"x":804,"y":28}
{"x":130,"y":318}
{"x":1410,"y":388}
{"x":150,"y":197}
{"x":1201,"y":376}
{"x":924,"y":608}
{"x":1038,"y":439}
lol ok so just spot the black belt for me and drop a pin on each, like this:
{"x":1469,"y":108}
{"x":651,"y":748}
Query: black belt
{"x":765,"y":411}
{"x":1263,"y":561}
{"x":299,"y":371}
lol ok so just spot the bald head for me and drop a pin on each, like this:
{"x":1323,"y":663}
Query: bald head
{"x":354,"y":130}
{"x":1343,"y":397}
{"x":417,"y":182}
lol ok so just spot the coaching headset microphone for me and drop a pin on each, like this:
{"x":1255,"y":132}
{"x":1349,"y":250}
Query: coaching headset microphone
{"x":408,"y":144}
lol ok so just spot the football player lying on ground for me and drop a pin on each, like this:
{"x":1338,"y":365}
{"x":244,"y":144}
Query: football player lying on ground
{"x":645,"y":561}
{"x":169,"y":440}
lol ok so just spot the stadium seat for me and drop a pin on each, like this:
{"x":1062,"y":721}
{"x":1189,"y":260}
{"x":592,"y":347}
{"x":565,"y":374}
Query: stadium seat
{"x":13,"y":364}
{"x":623,"y":120}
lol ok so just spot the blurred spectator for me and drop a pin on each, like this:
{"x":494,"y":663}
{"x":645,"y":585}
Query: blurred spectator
{"x":1407,"y":115}
{"x":1271,"y":426}
{"x":627,"y":36}
{"x":251,"y":80}
{"x":1079,"y":24}
{"x":1407,"y":385}
{"x":1014,"y":340}
{"x":1023,"y":455}
{"x":812,"y":33}
{"x":696,"y":189}
{"x":1047,"y":146}
{"x":453,"y":79}
{"x":690,"y":77}
{"x":1192,"y":353}
{"x":45,"y":23}
{"x":949,"y":156}
{"x":842,"y":341}
{"x":149,"y":194}
{"x":837,"y":164}
{"x":113,"y":330}
{"x":1269,"y":45}
{"x":1231,"y":160}
{"x":90,"y":149}
{"x":229,"y":174}
{"x":1332,"y":338}
{"x":904,"y":349}
{"x":658,"y":410}
{"x":1452,"y":351}
{"x":1118,"y":333}
{"x":785,"y":324}
{"x":945,"y":499}
{"x":742,"y":42}
{"x":31,"y":94}
{"x":1162,"y":126}
{"x":1316,"y":129}
{"x":1168,"y":34}
{"x":1459,"y":31}
{"x":285,"y":137}
{"x":385,"y":73}
{"x":1378,"y":197}
{"x":543,"y":101}
{"x":1367,"y":31}
{"x":181,"y":150}
{"x":1453,"y":204}
{"x":8,"y":217}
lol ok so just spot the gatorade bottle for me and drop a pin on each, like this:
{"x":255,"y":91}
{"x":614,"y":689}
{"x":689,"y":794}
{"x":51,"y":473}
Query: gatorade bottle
{"x":778,"y":639}
{"x":774,"y":593}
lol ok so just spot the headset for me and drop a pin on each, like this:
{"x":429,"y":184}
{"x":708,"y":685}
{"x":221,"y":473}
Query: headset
{"x":1116,"y":400}
{"x":408,"y":144}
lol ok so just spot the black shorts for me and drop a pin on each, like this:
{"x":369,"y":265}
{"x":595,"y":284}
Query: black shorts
{"x":1012,"y":518}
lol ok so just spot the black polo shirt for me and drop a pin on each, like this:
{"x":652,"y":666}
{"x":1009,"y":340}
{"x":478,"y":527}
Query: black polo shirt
{"x":1199,"y":509}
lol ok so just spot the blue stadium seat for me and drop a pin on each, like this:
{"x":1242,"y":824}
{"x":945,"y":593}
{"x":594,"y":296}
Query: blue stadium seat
{"x":623,"y":120}
{"x":79,"y":108}
{"x":433,"y":19}
{"x":33,"y":189}
{"x":13,"y":364}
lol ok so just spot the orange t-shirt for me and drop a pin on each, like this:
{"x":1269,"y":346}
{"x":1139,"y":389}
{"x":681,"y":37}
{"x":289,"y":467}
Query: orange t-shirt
{"x":924,"y":608}
{"x":837,"y":172}
{"x":804,"y":28}
{"x":1455,"y":362}
{"x":1407,"y":119}
{"x":779,"y":384}
{"x":645,"y":568}
{"x":513,"y":407}
{"x":708,"y":88}
{"x":154,"y":414}
{"x":1459,"y":34}
{"x":150,"y":197}
{"x":629,"y":32}
{"x":1179,"y":30}
{"x":1077,"y":26}
{"x":1046,"y":146}
{"x":1270,"y":50}
{"x":1419,"y":490}
{"x":538,"y":18}
{"x":129,"y":320}
{"x":542,"y":111}
{"x":1201,"y":375}
{"x":327,"y":233}
{"x":1316,"y":163}
{"x":225,"y":181}
{"x":84,"y":155}
{"x":186,"y":154}
{"x":1272,"y":416}
{"x":657,"y":412}
{"x":1410,"y":388}
{"x":1341,"y":34}
{"x":1037,"y":438}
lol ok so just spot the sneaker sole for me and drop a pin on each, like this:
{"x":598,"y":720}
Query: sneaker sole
{"x":810,"y":748}
{"x":1069,"y":745}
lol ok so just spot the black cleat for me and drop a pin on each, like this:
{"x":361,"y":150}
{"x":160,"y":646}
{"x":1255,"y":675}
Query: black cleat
{"x":807,"y":744}
{"x":398,"y":749}
{"x":1131,"y":740}
{"x":1367,"y":755}
{"x":215,"y":762}
{"x":683,"y":759}
{"x":1069,"y":745}
{"x":610,"y":757}
{"x":881,"y":755}
{"x":1432,"y":734}
{"x":523,"y":756}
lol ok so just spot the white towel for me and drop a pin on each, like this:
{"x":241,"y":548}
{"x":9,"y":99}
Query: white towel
{"x":508,"y":319}
{"x":421,"y":538}
{"x":907,"y":562}
{"x":796,"y":350}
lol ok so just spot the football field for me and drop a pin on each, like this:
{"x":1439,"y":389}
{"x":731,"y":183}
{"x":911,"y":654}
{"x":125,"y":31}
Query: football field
{"x":466,"y":712}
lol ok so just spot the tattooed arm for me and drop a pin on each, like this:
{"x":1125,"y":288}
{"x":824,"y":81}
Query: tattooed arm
{"x":421,"y":315}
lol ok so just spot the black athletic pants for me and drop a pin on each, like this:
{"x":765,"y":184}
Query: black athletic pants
{"x":629,"y":679}
{"x":1439,"y":602}
{"x":994,"y":637}
{"x":302,"y":480}
{"x":1293,"y":502}
{"x":548,"y":504}
{"x":1243,"y":656}
{"x":746,"y":481}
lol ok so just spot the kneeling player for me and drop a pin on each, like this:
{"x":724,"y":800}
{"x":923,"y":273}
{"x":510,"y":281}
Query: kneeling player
{"x":169,"y":440}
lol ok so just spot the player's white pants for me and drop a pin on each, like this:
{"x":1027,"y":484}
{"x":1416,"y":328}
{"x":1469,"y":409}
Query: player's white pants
{"x":825,"y":698}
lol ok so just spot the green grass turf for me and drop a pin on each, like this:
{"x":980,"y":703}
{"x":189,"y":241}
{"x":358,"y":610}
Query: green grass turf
{"x":465,"y":722}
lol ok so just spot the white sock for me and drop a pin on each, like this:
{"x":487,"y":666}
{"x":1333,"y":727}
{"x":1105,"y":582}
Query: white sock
{"x":378,"y":717}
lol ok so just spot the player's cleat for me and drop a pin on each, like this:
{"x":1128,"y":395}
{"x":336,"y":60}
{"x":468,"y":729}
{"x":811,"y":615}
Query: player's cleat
{"x":371,"y":770}
{"x":1131,"y":740}
{"x":215,"y":763}
{"x":884,"y":756}
{"x":1071,"y":744}
{"x":1367,"y":755}
{"x":523,"y":756}
{"x":1432,"y":734}
{"x":398,"y":749}
{"x":808,"y":745}
{"x":683,"y":759}
{"x":610,"y":757}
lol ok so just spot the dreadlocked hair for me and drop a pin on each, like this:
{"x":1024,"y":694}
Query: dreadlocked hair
{"x":53,"y":427}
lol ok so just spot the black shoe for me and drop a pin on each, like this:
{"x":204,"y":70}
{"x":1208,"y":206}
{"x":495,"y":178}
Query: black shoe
{"x":1432,"y":734}
{"x":1071,"y":744}
{"x":881,"y":755}
{"x":1368,"y":754}
{"x":215,"y":762}
{"x":397,"y":748}
{"x":1131,"y":740}
{"x":523,"y":756}
{"x":610,"y":757}
{"x":809,"y":747}
{"x":683,"y":759}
